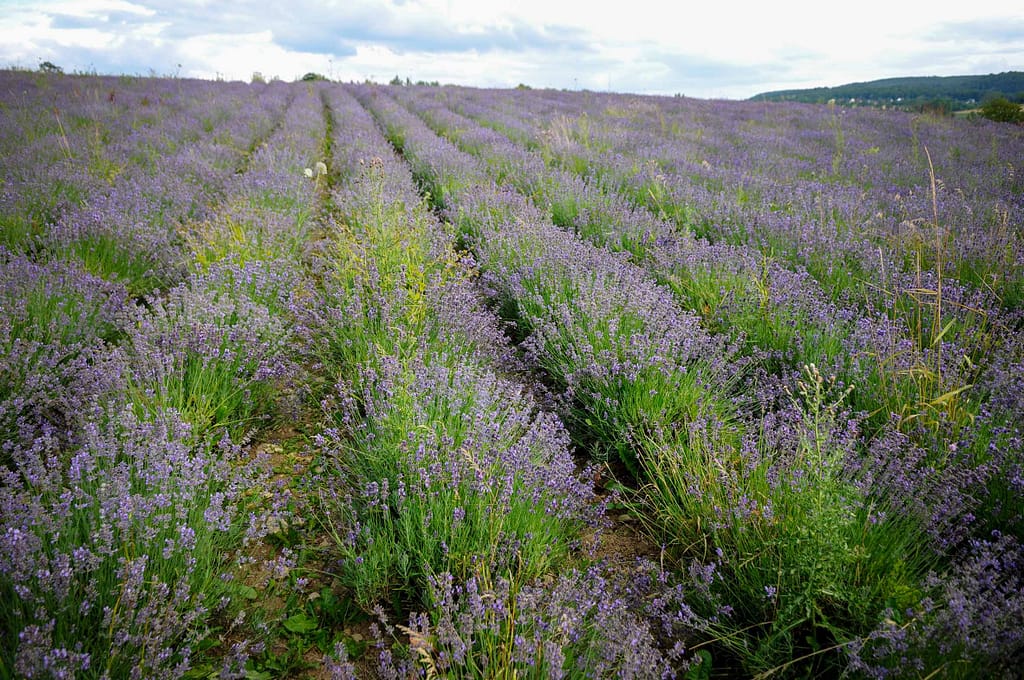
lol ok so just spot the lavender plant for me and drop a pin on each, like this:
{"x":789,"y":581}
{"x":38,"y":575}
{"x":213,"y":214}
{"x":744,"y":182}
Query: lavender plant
{"x":435,"y":461}
{"x":55,"y":356}
{"x":970,"y":625}
{"x":113,"y":552}
{"x":454,"y":471}
{"x":581,"y":624}
{"x":808,"y":551}
{"x":213,"y":350}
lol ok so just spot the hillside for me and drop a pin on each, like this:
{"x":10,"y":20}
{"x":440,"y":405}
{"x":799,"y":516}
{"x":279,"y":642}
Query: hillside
{"x":958,"y":92}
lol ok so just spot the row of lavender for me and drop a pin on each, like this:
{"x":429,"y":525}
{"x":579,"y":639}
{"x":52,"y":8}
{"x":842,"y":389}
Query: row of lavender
{"x":142,"y":341}
{"x":948,"y":269}
{"x":777,"y":311}
{"x":942,"y":357}
{"x":935,"y":248}
{"x":720,"y":474}
{"x":446,"y":487}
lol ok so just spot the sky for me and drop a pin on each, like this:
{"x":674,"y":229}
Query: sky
{"x":730,"y":49}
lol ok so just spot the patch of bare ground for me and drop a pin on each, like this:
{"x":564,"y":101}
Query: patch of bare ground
{"x":624,"y":540}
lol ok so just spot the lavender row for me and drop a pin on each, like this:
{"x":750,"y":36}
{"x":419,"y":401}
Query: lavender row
{"x":172,"y":156}
{"x":130,"y":242}
{"x":221,"y":346}
{"x":269,"y":213}
{"x":593,"y":318}
{"x":778,"y":312}
{"x":593,"y":150}
{"x":942,"y":369}
{"x":220,"y":343}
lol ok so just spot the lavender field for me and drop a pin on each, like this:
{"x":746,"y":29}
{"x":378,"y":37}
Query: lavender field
{"x":332,"y":380}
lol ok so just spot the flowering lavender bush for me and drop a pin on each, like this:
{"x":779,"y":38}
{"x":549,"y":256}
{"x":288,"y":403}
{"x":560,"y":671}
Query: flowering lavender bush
{"x":971,"y":624}
{"x":112,"y":550}
{"x":213,"y":350}
{"x":581,"y":624}
{"x":455,"y":470}
{"x":55,"y":360}
{"x":809,"y":549}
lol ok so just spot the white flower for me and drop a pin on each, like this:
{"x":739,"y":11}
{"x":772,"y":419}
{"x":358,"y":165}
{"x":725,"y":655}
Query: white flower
{"x":309,"y":172}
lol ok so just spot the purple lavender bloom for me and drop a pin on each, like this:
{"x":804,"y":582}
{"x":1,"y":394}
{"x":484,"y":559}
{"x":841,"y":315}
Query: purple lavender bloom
{"x":55,"y":356}
{"x":104,"y":557}
{"x":208,"y":346}
{"x":975,"y":616}
{"x":579,"y":624}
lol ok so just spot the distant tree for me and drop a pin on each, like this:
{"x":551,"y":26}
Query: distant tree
{"x":257,"y":77}
{"x":395,"y":81}
{"x":1002,"y":110}
{"x":314,"y":76}
{"x":523,"y":86}
{"x":50,"y":67}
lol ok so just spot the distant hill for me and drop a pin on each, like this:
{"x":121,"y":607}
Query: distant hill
{"x":950,"y":92}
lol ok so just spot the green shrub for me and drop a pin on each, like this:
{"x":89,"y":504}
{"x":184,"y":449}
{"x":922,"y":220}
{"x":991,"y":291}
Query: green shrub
{"x":1002,"y":110}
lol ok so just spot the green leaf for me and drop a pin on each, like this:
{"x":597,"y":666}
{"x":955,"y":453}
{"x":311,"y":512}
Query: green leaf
{"x":702,"y":670}
{"x":247,"y":592}
{"x":300,"y":624}
{"x":253,"y":674}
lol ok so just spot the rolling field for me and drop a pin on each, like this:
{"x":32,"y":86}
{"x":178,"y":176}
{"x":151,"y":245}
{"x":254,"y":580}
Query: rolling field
{"x":333,"y":380}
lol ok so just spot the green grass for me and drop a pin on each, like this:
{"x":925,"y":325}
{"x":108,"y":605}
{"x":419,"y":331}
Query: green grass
{"x":112,"y":258}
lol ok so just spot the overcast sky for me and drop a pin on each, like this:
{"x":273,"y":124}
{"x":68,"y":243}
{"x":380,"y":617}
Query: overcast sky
{"x":708,"y":48}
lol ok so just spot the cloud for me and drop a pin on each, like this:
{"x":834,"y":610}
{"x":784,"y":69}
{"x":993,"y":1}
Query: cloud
{"x":67,"y":22}
{"x":125,"y":56}
{"x":331,"y":30}
{"x":338,"y":27}
{"x":1008,"y":31}
{"x":107,"y":21}
{"x":433,"y":36}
